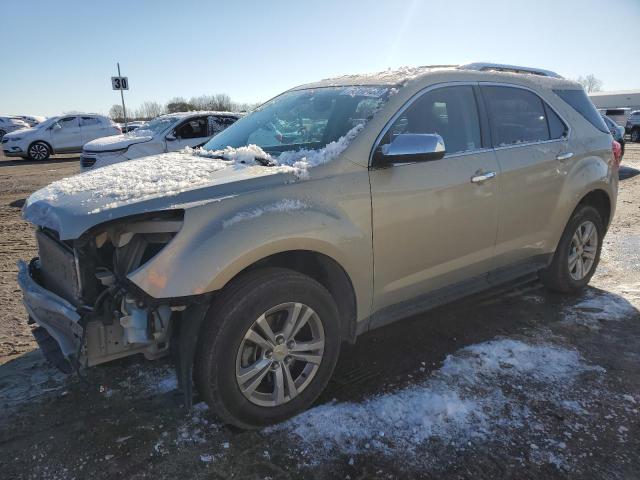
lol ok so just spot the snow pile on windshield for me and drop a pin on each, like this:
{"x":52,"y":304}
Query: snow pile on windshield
{"x":297,"y":161}
{"x":476,"y":394}
{"x":285,"y":205}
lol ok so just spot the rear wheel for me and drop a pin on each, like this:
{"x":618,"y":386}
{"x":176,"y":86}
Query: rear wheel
{"x":578,"y":252}
{"x":39,"y":151}
{"x":268,"y":347}
{"x":635,"y":135}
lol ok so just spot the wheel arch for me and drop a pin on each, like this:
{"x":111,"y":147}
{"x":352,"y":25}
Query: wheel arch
{"x":600,"y":200}
{"x":326,"y":271}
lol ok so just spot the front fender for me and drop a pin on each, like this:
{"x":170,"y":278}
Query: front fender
{"x":207,"y":253}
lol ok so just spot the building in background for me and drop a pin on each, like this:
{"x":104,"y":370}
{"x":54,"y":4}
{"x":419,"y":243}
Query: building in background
{"x":617,"y":105}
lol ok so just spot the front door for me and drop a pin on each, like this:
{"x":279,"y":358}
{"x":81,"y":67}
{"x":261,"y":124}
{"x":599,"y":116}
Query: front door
{"x":434,"y":222}
{"x":191,"y":133}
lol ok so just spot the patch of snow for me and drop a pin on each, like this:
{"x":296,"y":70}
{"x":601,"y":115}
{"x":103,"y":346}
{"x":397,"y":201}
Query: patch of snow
{"x":285,"y":205}
{"x":598,"y":306}
{"x":473,"y":396}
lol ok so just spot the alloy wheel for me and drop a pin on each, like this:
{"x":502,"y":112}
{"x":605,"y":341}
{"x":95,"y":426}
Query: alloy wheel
{"x":280,"y":354}
{"x":582,"y":250}
{"x":38,"y":151}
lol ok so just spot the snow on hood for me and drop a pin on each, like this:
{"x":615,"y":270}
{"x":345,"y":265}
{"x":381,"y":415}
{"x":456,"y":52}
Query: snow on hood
{"x":116,"y":142}
{"x":147,"y":182}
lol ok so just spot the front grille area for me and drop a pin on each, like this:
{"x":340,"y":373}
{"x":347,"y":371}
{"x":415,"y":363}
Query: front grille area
{"x":58,"y":267}
{"x":87,"y":161}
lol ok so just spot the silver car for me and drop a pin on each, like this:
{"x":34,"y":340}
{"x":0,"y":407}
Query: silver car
{"x":61,"y":134}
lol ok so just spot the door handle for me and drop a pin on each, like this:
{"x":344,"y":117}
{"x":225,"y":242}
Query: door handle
{"x":482,"y":177}
{"x":564,"y":156}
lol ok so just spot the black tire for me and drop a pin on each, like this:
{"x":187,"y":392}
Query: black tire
{"x":635,"y":135}
{"x":39,"y":151}
{"x":557,"y":276}
{"x":229,"y":318}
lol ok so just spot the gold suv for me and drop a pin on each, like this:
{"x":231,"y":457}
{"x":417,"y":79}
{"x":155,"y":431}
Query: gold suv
{"x":334,"y":208}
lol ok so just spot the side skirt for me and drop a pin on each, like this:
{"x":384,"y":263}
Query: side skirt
{"x":456,"y":291}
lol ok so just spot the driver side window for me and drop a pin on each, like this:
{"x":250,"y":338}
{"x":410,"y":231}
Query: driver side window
{"x":68,"y":122}
{"x":451,"y":112}
{"x":193,"y":128}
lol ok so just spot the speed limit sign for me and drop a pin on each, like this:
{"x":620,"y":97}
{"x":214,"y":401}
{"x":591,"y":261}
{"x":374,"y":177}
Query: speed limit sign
{"x":120,"y":83}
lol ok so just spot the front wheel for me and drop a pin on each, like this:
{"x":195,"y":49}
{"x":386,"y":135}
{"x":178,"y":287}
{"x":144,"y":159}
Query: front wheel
{"x":268,"y":347}
{"x":39,"y":151}
{"x":578,"y":252}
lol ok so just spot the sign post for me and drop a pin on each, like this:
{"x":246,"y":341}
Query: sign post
{"x":121,"y":83}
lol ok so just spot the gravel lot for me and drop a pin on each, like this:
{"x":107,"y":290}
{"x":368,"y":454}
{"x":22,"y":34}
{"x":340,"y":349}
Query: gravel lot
{"x":514,"y":383}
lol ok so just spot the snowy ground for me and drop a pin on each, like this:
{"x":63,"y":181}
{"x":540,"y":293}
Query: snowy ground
{"x":513,"y":383}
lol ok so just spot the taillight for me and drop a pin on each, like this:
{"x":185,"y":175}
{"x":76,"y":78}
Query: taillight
{"x":616,"y":149}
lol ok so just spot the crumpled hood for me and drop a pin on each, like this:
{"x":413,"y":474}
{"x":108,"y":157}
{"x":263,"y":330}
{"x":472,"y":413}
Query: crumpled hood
{"x":115,"y":142}
{"x":161,"y":182}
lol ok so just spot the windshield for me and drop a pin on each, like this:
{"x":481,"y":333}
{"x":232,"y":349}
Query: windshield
{"x":155,"y":126}
{"x":303,"y":119}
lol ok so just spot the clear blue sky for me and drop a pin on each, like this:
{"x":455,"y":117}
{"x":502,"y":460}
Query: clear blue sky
{"x":59,"y":56}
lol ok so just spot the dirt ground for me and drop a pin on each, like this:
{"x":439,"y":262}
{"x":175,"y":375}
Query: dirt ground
{"x":513,"y":383}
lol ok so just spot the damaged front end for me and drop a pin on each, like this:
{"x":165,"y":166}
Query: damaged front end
{"x":85,"y":308}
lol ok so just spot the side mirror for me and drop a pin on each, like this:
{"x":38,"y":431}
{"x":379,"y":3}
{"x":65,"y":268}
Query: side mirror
{"x":170,"y":138}
{"x":410,"y":147}
{"x":56,"y":126}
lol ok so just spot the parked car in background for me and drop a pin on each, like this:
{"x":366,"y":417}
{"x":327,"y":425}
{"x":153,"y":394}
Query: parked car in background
{"x":11,"y":124}
{"x":166,"y":133}
{"x":61,"y":134}
{"x":618,"y":115}
{"x":617,"y":132}
{"x":632,"y":126}
{"x":253,"y":259}
{"x":130,"y":126}
{"x":32,"y":120}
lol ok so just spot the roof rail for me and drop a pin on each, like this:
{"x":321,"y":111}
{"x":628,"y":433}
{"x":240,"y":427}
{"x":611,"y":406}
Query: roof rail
{"x":484,"y":67}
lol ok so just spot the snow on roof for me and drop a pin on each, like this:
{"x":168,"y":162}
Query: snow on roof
{"x":614,"y":92}
{"x":390,"y":76}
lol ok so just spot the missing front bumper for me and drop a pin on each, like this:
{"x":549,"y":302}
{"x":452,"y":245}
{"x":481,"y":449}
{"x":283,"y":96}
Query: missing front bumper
{"x":56,"y":315}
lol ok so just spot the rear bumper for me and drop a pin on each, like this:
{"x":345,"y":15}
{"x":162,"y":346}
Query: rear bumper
{"x":53,"y":313}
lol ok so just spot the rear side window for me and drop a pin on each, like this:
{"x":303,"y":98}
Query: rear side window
{"x":86,"y":121}
{"x":579,"y":101}
{"x":517,"y":116}
{"x":450,"y":112}
{"x":557,"y":128}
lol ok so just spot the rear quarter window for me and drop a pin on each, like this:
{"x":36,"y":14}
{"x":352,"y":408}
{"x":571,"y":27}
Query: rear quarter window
{"x":579,"y":101}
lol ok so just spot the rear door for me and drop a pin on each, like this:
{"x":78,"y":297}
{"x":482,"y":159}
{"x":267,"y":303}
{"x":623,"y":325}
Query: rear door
{"x":92,"y":128}
{"x":432,"y":225}
{"x":529,"y":138}
{"x":69,"y":136}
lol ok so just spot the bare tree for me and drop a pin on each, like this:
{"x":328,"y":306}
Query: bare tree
{"x":149,"y":110}
{"x":116,"y":113}
{"x":178,"y":104}
{"x":590,"y":83}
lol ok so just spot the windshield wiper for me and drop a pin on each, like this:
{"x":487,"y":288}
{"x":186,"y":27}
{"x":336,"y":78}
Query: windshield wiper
{"x":262,"y":161}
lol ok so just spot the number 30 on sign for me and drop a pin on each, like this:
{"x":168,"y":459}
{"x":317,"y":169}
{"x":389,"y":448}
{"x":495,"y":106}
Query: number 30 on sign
{"x":120,"y":83}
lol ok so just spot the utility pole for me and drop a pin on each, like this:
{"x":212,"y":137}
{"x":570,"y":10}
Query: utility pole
{"x":124,"y":109}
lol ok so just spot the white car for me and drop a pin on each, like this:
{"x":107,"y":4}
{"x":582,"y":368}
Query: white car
{"x":32,"y":120}
{"x":62,"y":134}
{"x":11,"y":124}
{"x":166,"y":133}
